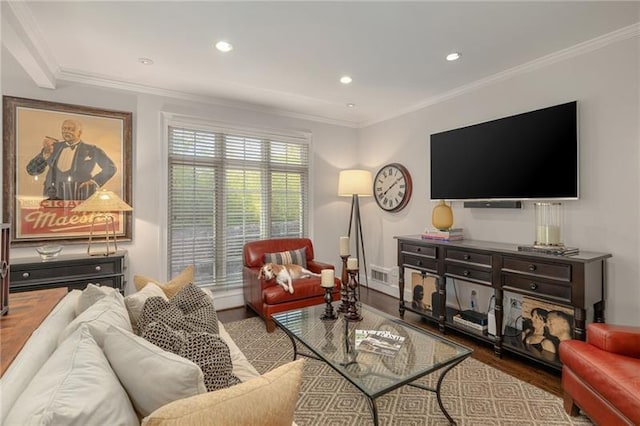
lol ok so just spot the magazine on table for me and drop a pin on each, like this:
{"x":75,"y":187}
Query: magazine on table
{"x":378,"y":342}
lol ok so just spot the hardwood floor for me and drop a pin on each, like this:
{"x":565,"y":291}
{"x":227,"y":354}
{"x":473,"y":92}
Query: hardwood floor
{"x":525,"y":370}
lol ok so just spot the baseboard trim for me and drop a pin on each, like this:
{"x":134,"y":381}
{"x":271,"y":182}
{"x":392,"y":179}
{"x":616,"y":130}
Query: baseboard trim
{"x":388,"y":290}
{"x":228,"y":299}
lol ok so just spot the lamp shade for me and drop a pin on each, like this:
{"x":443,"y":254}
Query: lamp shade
{"x":357,"y":182}
{"x":103,"y":201}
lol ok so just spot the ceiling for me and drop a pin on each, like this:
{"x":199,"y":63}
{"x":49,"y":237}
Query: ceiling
{"x":289,"y":56}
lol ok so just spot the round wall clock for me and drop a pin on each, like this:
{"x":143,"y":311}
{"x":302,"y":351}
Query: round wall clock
{"x":392,"y":187}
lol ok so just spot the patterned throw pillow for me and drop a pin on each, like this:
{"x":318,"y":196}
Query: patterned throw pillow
{"x":207,"y":350}
{"x":190,"y":310}
{"x":295,"y":257}
{"x":198,"y":309}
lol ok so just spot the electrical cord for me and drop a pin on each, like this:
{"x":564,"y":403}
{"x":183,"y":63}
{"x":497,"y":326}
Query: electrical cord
{"x":455,"y":291}
{"x":513,"y":323}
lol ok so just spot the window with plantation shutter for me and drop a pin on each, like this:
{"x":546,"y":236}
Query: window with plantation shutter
{"x":227,"y":187}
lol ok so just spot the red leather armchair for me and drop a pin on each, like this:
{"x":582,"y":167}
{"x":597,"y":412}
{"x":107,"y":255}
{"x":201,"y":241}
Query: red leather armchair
{"x":602,"y":375}
{"x":266,"y":297}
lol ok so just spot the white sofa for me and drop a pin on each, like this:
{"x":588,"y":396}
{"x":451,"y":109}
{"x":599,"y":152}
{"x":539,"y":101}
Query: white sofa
{"x":43,"y":343}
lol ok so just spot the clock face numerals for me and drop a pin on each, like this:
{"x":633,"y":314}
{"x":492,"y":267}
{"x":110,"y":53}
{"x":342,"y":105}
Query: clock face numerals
{"x":392,"y":187}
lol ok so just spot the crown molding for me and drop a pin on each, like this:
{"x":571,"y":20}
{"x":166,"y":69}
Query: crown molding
{"x":561,"y":55}
{"x":27,"y":26}
{"x":103,"y":81}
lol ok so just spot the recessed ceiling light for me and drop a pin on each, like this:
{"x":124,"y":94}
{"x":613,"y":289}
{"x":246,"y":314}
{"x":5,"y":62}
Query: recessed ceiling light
{"x":351,"y":105}
{"x":345,"y":79}
{"x":145,"y":61}
{"x":224,"y":46}
{"x":453,"y":56}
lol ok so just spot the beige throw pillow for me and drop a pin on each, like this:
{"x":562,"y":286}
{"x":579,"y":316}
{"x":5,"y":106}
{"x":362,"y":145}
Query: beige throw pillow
{"x":266,"y":400}
{"x":170,"y":288}
{"x":135,"y":302}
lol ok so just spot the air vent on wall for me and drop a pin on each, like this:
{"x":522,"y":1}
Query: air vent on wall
{"x":380,"y":273}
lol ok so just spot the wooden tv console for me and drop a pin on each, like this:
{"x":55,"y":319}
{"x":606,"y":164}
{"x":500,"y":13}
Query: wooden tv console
{"x":573,"y":282}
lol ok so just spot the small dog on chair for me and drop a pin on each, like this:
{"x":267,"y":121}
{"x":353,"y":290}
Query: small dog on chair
{"x":285,"y":274}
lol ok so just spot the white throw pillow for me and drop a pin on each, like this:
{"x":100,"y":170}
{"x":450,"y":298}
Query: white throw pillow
{"x":76,"y":386}
{"x":135,"y":302}
{"x":90,"y":295}
{"x":152,"y":377}
{"x":109,"y":310}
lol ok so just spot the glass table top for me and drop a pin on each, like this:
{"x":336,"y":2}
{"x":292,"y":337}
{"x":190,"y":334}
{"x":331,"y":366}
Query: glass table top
{"x":333,"y":341}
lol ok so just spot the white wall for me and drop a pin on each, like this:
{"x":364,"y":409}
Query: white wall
{"x":605,"y":82}
{"x":605,"y":219}
{"x":333,"y":149}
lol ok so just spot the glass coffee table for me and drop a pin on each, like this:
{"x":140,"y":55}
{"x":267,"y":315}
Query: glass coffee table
{"x":374,"y":374}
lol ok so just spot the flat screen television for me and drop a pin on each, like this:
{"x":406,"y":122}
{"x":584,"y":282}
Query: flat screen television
{"x":533,"y":155}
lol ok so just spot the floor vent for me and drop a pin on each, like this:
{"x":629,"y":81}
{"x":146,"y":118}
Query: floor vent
{"x":380,"y":273}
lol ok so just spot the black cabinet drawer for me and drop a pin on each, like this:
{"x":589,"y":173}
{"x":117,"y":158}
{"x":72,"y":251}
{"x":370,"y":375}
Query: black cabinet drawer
{"x":52,"y":271}
{"x":533,"y":287}
{"x":469,"y":257}
{"x":541,"y":269}
{"x":475,"y":275}
{"x":74,"y":271}
{"x":422,"y":263}
{"x":115,"y":282}
{"x":428,"y":251}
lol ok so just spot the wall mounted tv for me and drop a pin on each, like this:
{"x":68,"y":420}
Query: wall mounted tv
{"x":533,"y":155}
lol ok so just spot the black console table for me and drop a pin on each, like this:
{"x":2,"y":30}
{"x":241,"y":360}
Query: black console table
{"x":74,"y":271}
{"x":575,"y":282}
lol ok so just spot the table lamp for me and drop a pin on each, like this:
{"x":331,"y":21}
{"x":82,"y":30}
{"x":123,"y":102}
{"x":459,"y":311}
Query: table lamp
{"x":103,"y":203}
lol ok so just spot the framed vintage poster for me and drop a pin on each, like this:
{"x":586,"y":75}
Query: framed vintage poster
{"x":54,"y":157}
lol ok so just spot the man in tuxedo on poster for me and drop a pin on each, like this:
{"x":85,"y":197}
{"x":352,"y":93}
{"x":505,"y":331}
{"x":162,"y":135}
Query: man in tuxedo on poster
{"x":70,"y":164}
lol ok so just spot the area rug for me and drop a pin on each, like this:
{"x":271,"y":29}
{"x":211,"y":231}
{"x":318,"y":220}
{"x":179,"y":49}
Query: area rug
{"x":474,"y":393}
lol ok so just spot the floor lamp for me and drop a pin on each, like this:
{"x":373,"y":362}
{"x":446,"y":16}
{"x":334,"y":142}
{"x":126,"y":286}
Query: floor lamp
{"x":103,"y":204}
{"x":354,"y":184}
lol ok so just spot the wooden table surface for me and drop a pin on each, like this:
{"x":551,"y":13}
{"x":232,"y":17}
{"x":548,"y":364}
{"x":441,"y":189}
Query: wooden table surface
{"x":27,"y":310}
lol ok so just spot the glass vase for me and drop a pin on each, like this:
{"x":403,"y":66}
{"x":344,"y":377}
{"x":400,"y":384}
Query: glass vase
{"x":548,"y":224}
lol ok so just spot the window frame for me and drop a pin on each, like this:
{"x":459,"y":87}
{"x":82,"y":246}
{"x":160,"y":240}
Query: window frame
{"x":265,"y":134}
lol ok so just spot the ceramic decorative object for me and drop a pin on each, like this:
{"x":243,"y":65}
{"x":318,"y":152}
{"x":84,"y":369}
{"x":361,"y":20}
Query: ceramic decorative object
{"x":49,"y":251}
{"x":442,"y":216}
